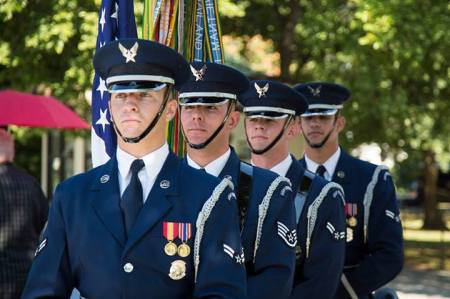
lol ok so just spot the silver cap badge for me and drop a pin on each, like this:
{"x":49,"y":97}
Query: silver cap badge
{"x":198,"y":74}
{"x":315,"y":91}
{"x":129,"y":54}
{"x":262,"y":90}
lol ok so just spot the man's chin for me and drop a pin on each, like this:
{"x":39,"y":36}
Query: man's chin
{"x":131,"y":133}
{"x":258,"y":147}
{"x":196,"y":139}
{"x":314,"y":144}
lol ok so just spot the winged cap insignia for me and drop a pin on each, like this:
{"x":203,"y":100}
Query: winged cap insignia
{"x":129,"y":54}
{"x":262,"y":90}
{"x":315,"y":91}
{"x":198,"y":74}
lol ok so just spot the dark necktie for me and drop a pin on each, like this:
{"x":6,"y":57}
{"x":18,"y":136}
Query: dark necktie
{"x":131,"y":202}
{"x":321,"y":171}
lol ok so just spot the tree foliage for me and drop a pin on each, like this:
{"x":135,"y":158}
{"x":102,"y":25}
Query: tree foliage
{"x":393,"y":55}
{"x":47,"y":45}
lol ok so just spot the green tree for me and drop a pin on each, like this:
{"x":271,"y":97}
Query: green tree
{"x":46,"y":47}
{"x":394,"y":57}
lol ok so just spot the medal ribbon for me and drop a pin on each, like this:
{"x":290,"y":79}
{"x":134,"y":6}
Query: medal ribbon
{"x":185,"y":231}
{"x":351,"y":209}
{"x":170,"y":230}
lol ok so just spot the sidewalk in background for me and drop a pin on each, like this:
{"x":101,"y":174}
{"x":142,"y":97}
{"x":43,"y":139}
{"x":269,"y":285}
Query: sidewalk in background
{"x":422,"y":284}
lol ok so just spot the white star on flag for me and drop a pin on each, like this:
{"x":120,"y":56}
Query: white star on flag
{"x":111,"y":26}
{"x":102,"y":120}
{"x":115,"y":15}
{"x":102,"y":19}
{"x":101,"y":87}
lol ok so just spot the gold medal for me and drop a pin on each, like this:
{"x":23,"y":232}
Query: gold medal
{"x":170,"y":232}
{"x":352,"y":221}
{"x":349,"y":234}
{"x":184,"y":250}
{"x":170,"y":248}
{"x":177,"y":270}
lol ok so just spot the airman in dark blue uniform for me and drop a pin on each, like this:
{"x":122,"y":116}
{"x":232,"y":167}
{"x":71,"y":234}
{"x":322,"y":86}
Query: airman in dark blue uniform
{"x":208,"y":116}
{"x":271,"y":120}
{"x":143,"y":225}
{"x":374,"y":250}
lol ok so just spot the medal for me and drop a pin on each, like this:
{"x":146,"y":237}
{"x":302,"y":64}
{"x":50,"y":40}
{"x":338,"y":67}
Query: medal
{"x":184,"y":250}
{"x":351,"y":209}
{"x":184,"y":230}
{"x":170,"y":232}
{"x":349,"y":234}
{"x":170,"y":248}
{"x":177,"y":270}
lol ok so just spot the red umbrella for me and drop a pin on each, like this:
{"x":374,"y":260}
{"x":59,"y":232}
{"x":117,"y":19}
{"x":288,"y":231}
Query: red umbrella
{"x":29,"y":110}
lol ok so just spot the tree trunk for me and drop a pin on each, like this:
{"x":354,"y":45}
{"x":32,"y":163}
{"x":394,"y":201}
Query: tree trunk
{"x":287,"y":39}
{"x":433,"y":217}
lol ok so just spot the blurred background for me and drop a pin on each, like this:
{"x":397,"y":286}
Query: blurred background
{"x":393,"y":55}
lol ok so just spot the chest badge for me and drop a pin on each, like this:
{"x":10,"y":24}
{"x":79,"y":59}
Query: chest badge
{"x":349,"y":234}
{"x":177,"y":270}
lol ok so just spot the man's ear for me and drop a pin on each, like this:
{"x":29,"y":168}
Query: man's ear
{"x":171,"y":109}
{"x":233,"y":119}
{"x":293,"y":130}
{"x":340,"y":123}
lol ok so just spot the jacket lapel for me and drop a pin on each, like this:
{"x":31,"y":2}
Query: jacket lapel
{"x":342,"y":173}
{"x":231,"y":169}
{"x":106,"y":198}
{"x":293,"y":173}
{"x":159,"y":201}
{"x":303,"y":162}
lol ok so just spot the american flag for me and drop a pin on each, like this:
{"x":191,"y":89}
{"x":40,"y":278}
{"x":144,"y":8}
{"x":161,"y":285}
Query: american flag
{"x":116,"y":20}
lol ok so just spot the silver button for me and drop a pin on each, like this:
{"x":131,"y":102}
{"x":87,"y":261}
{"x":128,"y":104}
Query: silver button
{"x":128,"y":267}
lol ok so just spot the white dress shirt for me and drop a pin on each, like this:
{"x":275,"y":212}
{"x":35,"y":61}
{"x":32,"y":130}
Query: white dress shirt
{"x":282,"y":167}
{"x":153,"y":161}
{"x":214,"y":167}
{"x":330,"y":164}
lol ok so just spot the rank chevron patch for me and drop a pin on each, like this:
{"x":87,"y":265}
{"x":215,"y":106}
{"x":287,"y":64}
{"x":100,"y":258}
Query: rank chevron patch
{"x":335,"y":234}
{"x":239,"y":258}
{"x":392,"y":215}
{"x":288,"y":236}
